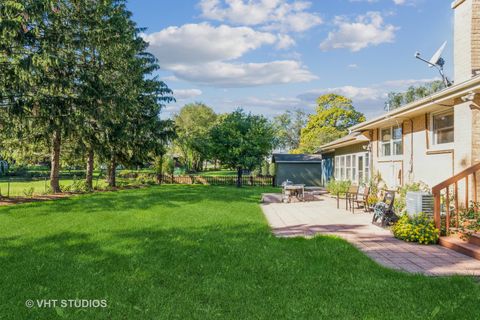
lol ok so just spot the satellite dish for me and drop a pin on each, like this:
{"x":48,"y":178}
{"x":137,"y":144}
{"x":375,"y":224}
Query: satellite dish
{"x":438,"y":62}
{"x":437,"y":57}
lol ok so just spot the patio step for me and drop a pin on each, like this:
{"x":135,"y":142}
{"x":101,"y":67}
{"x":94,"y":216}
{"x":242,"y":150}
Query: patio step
{"x":466,"y":247}
{"x":474,"y":239}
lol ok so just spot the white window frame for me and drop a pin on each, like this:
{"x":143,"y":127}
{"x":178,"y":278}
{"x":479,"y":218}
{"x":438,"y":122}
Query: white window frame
{"x":433,"y":135}
{"x":341,"y":172}
{"x":391,"y":143}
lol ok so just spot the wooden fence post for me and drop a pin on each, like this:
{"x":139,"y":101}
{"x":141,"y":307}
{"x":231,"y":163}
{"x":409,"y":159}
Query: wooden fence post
{"x":436,"y":210}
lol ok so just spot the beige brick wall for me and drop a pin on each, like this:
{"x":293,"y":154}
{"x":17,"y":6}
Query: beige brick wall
{"x":475,"y":42}
{"x":476,"y":145}
{"x":463,"y":41}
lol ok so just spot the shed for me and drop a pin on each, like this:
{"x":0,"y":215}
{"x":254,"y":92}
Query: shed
{"x":298,"y":168}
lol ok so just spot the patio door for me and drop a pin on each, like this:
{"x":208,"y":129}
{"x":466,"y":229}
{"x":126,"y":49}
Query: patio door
{"x":361,"y":168}
{"x":363,"y":165}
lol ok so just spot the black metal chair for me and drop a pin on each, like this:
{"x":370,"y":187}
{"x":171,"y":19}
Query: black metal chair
{"x":383,"y":213}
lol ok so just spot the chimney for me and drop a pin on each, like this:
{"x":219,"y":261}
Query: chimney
{"x":466,"y":39}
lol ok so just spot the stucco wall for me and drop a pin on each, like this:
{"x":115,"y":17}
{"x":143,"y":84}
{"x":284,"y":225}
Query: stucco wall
{"x":417,"y":163}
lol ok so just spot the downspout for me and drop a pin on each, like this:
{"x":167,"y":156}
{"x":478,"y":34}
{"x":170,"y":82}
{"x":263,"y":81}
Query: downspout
{"x":410,"y":173}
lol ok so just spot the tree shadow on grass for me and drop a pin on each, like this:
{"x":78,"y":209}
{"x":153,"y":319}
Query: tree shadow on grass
{"x":234,"y":272}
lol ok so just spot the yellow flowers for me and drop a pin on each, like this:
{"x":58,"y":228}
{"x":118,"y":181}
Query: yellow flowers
{"x":419,"y":228}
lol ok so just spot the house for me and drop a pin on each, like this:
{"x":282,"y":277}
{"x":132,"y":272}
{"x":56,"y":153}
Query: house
{"x":299,"y":168}
{"x":429,"y":140}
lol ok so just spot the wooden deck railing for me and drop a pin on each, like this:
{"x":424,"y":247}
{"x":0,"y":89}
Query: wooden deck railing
{"x":445,"y":185}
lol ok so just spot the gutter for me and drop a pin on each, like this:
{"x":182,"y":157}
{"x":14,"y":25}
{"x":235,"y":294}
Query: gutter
{"x":456,"y":90}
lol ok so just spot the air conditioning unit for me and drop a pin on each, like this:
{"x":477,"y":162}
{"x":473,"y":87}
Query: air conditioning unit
{"x":418,"y":201}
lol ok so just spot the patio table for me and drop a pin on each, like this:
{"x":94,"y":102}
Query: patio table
{"x":294,"y":189}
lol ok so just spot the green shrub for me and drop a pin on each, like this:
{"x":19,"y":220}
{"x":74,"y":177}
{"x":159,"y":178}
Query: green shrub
{"x":338,"y":187}
{"x":419,"y":228}
{"x":28,"y":192}
{"x":145,"y":178}
{"x":372,"y":199}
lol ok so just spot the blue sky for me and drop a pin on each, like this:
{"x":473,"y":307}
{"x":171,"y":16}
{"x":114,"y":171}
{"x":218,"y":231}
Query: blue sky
{"x":268,"y":56}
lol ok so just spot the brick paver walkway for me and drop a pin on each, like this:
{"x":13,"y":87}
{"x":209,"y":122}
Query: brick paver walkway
{"x":310,"y":218}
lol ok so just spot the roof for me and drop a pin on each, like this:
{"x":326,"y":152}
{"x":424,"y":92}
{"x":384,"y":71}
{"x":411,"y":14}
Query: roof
{"x":353,"y":138}
{"x":448,"y":97}
{"x":296,"y":158}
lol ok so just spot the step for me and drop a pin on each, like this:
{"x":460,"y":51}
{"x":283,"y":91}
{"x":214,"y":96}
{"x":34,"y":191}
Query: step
{"x":474,"y":239}
{"x":470,"y":236}
{"x":461,"y":246}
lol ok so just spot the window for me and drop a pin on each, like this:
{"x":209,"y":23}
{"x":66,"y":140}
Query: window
{"x":391,"y":141}
{"x":442,"y":128}
{"x":352,"y":167}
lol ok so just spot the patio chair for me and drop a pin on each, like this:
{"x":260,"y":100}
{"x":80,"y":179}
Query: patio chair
{"x":383,"y":213}
{"x":360,"y":199}
{"x":351,"y":191}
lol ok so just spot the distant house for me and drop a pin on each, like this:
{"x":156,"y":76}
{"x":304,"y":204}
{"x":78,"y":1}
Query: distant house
{"x":431,"y":139}
{"x":298,"y":168}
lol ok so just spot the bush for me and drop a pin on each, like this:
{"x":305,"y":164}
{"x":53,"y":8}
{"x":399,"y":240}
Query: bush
{"x":335,"y":187}
{"x":419,"y":228}
{"x":145,"y":178}
{"x":28,"y":192}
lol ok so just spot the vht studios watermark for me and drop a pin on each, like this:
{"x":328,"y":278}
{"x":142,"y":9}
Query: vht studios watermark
{"x":66,"y":303}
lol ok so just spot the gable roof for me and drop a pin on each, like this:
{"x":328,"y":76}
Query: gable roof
{"x":296,"y":158}
{"x":350,"y":139}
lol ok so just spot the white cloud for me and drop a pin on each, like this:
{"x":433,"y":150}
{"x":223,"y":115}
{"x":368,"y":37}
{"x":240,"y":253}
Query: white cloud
{"x":284,"y":41}
{"x":244,"y":74}
{"x":399,"y":2}
{"x":352,"y":92}
{"x":366,"y":30}
{"x":272,"y":14}
{"x":169,"y":78}
{"x":267,"y":106}
{"x":353,"y":66}
{"x":202,"y":43}
{"x":206,"y":54}
{"x":183,"y":94}
{"x":369,"y":99}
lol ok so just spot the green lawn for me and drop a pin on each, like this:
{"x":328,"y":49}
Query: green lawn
{"x":201,"y":252}
{"x":218,"y":173}
{"x":21,"y":188}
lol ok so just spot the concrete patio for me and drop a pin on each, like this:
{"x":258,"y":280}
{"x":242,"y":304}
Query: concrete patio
{"x":307,"y":219}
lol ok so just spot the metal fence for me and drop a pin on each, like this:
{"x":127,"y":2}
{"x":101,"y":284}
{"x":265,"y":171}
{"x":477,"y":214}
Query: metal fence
{"x":249,"y":180}
{"x":27,"y":186}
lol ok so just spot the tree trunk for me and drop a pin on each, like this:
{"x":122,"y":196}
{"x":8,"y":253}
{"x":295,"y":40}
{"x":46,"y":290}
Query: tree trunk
{"x":55,"y":159}
{"x":112,"y":170}
{"x":89,"y":175}
{"x":160,"y":170}
{"x":239,"y":177}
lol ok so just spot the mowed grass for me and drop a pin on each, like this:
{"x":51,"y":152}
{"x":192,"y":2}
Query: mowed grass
{"x":200,"y":252}
{"x":224,"y":173}
{"x":20,"y":188}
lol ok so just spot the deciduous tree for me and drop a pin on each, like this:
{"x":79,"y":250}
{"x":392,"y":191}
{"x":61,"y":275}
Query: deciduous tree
{"x":334,"y":115}
{"x":242,"y":141}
